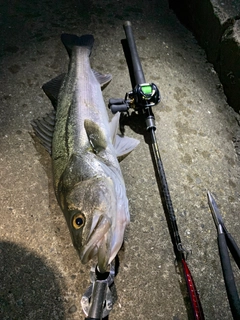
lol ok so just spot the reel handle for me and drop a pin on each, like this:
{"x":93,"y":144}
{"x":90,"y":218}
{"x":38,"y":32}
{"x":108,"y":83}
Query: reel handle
{"x":116,"y":105}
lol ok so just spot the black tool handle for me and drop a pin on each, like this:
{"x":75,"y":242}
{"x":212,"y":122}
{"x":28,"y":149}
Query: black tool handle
{"x":137,"y":67}
{"x":232,"y":245}
{"x":232,"y":293}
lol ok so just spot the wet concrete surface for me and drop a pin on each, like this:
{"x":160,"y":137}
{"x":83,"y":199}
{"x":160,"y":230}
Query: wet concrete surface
{"x":41,"y":276}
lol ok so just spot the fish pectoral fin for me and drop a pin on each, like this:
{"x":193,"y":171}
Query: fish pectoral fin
{"x":52,"y":88}
{"x":124,"y":145}
{"x":44,"y":128}
{"x":103,"y":79}
{"x":95,"y":135}
{"x":114,"y":125}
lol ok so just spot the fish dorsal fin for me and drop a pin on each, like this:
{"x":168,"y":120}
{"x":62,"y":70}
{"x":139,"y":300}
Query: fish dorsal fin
{"x":103,"y":79}
{"x":44,"y":128}
{"x":95,"y":135}
{"x":52,"y":88}
{"x":71,"y":40}
{"x":123,"y":145}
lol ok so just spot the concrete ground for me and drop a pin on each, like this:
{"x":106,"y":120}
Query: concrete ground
{"x":216,"y":25}
{"x":41,"y":276}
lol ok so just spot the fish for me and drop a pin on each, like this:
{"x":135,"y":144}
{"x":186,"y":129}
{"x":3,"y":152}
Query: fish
{"x":85,"y":148}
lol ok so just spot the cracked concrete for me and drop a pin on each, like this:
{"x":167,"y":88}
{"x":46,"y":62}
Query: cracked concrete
{"x":41,"y":276}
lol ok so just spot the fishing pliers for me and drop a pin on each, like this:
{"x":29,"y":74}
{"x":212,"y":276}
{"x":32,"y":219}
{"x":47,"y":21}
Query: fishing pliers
{"x":226,"y":240}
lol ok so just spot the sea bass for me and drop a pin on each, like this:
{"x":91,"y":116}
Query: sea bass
{"x":85,"y":147}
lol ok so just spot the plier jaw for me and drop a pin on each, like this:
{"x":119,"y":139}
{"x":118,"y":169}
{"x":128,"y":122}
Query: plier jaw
{"x":215,"y":213}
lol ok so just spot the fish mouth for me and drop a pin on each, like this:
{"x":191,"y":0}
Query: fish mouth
{"x":97,"y":240}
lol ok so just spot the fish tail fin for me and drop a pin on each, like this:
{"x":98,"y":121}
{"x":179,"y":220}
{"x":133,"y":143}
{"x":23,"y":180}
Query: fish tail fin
{"x":71,"y":40}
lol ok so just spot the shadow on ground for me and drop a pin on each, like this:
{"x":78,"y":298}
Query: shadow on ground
{"x":29,"y":288}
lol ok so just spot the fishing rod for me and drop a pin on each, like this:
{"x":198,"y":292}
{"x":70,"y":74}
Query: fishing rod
{"x":142,"y":98}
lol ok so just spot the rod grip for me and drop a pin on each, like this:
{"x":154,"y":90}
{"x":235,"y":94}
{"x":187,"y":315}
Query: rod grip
{"x":137,"y":67}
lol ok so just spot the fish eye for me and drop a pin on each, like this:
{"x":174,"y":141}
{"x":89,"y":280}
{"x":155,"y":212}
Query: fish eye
{"x":78,"y":221}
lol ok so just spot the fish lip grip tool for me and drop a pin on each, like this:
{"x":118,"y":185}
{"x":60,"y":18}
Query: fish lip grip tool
{"x":97,"y":301}
{"x":225,"y":242}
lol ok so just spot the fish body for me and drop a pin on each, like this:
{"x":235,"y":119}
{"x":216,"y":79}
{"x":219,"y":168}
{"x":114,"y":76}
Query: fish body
{"x":88,"y":182}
